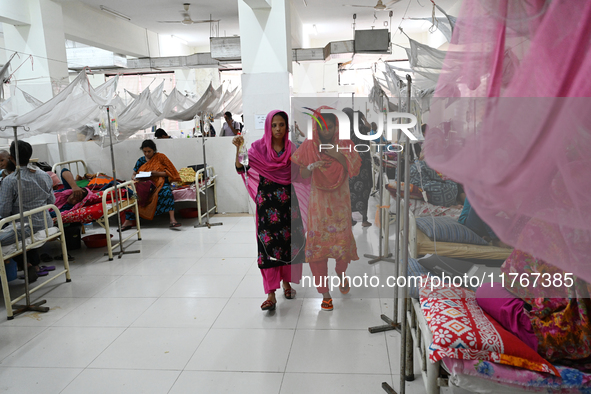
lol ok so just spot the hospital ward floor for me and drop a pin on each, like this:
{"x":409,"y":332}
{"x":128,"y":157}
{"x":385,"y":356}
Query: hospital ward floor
{"x":183,"y":316}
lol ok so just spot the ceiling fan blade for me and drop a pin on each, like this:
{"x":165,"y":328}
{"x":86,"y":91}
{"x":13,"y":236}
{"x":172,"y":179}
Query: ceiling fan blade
{"x":358,"y":6}
{"x":390,"y":4}
{"x":169,"y":21}
{"x":207,"y":21}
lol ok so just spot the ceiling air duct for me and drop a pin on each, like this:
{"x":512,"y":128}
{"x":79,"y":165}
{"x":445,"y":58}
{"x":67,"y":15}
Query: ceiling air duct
{"x":225,"y":48}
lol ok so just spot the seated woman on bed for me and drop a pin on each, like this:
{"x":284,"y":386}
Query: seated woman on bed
{"x":161,"y":199}
{"x":553,"y":320}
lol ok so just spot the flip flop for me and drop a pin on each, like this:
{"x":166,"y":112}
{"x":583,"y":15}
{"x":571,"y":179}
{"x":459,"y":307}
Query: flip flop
{"x":268,"y":305}
{"x":46,"y":268}
{"x":345,"y":289}
{"x":125,"y":228}
{"x":290,"y":293}
{"x":39,"y":273}
{"x":175,"y":226}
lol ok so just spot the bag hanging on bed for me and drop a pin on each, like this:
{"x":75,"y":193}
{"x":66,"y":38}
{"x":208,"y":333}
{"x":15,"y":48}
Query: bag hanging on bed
{"x":144,"y":189}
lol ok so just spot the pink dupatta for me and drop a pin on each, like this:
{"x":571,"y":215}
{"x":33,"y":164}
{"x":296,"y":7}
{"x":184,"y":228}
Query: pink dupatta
{"x":263,"y":160}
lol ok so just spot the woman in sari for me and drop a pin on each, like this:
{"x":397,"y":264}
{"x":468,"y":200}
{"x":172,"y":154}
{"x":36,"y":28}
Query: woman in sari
{"x":329,"y":209}
{"x":160,"y":200}
{"x":280,"y":231}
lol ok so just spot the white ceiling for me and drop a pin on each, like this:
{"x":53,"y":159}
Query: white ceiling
{"x":333,"y":20}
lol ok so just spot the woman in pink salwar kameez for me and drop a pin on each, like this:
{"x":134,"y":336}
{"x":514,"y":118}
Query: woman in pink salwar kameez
{"x":280,"y":229}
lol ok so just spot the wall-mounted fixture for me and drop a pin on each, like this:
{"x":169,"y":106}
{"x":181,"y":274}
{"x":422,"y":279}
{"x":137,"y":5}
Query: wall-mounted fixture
{"x":114,"y":13}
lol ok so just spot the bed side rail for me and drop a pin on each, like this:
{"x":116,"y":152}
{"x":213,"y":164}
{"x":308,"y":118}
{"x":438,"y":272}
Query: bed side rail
{"x":78,"y":163}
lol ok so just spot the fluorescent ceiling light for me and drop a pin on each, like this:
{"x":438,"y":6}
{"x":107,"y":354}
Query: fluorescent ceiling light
{"x":114,"y":13}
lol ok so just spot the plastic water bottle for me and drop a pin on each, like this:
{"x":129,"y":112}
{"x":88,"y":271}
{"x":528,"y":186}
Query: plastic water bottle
{"x":88,"y":228}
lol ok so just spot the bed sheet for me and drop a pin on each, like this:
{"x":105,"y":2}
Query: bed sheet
{"x":461,"y":251}
{"x":421,"y":208}
{"x":39,"y":236}
{"x":185,"y":194}
{"x":92,"y":212}
{"x":485,"y":377}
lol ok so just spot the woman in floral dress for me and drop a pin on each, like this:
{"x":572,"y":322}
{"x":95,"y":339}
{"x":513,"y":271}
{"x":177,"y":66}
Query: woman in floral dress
{"x":280,"y":232}
{"x":329,"y":210}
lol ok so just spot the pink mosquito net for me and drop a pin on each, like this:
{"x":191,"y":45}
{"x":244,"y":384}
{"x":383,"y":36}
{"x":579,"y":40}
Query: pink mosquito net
{"x":511,"y":121}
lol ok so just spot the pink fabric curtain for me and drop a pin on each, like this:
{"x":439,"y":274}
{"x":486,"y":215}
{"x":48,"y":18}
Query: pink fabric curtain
{"x":511,"y":121}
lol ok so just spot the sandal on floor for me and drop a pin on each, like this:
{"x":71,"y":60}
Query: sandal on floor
{"x":326,"y":305}
{"x":33,"y":274}
{"x":46,"y":268}
{"x":125,"y":228}
{"x":290,"y":293}
{"x":345,"y":289}
{"x":268,"y":305}
{"x":175,"y":226}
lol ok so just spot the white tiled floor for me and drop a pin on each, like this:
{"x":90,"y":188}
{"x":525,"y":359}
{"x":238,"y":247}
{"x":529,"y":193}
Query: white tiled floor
{"x":183,"y":316}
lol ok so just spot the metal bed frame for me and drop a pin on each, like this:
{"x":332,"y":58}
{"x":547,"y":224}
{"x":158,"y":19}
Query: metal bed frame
{"x":109,"y":210}
{"x":35,"y":243}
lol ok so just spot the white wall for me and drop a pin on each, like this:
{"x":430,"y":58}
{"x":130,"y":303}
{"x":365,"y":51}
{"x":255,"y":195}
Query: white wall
{"x":264,"y":40}
{"x":298,"y":37}
{"x":172,"y":46}
{"x":91,"y":26}
{"x":232,"y":195}
{"x":44,"y":38}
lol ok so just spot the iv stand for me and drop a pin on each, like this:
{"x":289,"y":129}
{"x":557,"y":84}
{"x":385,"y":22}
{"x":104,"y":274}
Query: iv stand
{"x":121,"y":250}
{"x":406,"y":345}
{"x":205,"y":180}
{"x":393,"y":324}
{"x":383,"y":255}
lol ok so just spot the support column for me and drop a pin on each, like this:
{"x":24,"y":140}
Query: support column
{"x":37,"y":28}
{"x":265,"y":45}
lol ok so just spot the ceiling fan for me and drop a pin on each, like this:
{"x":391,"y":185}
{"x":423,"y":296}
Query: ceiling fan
{"x":380,"y":6}
{"x":187,"y":17}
